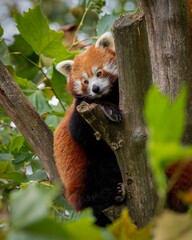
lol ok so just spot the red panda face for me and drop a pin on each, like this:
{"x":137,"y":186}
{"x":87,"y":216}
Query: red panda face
{"x":94,"y":72}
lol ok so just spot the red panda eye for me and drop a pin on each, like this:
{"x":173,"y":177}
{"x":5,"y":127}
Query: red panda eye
{"x":85,"y":81}
{"x":99,"y":73}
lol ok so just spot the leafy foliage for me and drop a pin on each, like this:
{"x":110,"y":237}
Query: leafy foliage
{"x":166,"y":124}
{"x":30,"y":206}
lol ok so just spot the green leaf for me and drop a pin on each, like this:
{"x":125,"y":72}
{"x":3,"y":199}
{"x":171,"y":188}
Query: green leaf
{"x":4,"y":53}
{"x":39,"y":102}
{"x":53,"y":121}
{"x":160,"y":115}
{"x":30,"y":219}
{"x":20,"y":45}
{"x":96,"y":5}
{"x":165,"y":122}
{"x":16,"y":177}
{"x":35,"y":30}
{"x":5,"y":156}
{"x":27,"y":86}
{"x":16,"y":143}
{"x":85,"y":228}
{"x":105,"y":23}
{"x":22,"y":157}
{"x":45,"y":229}
{"x":30,"y":205}
{"x":1,"y":31}
{"x":37,"y":176}
{"x":7,"y":172}
{"x":6,"y":167}
{"x":58,"y":82}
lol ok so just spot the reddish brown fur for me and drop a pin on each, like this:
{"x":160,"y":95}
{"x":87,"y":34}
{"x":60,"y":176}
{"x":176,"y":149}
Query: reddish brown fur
{"x":183,"y":184}
{"x":70,"y":157}
{"x":71,"y":168}
{"x":85,"y":61}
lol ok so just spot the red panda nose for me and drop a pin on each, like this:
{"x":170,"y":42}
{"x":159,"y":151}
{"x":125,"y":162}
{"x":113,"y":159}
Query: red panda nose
{"x":95,"y":88}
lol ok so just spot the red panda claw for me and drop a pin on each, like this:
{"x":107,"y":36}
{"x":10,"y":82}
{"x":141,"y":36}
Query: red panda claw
{"x":120,"y":194}
{"x":113,"y":113}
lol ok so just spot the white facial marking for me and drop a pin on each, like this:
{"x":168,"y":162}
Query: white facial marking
{"x":102,"y":83}
{"x":84,"y":75}
{"x":111,"y":68}
{"x":94,"y":70}
{"x":77,"y":87}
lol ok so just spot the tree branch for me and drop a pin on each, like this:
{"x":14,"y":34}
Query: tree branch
{"x":28,"y":121}
{"x":104,"y":128}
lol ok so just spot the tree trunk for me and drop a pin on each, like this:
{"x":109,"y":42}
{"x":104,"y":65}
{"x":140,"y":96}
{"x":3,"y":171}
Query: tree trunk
{"x":169,"y":26}
{"x":128,"y":139}
{"x":28,"y":121}
{"x":134,"y":81}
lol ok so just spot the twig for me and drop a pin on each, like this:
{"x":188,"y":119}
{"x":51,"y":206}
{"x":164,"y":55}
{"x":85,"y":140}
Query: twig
{"x":46,"y":78}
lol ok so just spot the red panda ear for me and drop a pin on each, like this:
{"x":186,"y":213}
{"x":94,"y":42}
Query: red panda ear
{"x":65,"y":67}
{"x":105,"y":41}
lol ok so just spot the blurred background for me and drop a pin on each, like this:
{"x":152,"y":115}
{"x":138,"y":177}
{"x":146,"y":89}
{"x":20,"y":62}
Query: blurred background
{"x":59,"y":13}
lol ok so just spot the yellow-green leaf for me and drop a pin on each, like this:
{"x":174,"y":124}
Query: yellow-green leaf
{"x":123,"y":228}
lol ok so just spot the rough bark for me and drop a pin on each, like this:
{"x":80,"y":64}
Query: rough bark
{"x":127,"y":139}
{"x":169,"y":26}
{"x":134,"y":81}
{"x":28,"y":121}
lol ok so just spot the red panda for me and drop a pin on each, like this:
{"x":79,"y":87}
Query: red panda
{"x":88,"y":167}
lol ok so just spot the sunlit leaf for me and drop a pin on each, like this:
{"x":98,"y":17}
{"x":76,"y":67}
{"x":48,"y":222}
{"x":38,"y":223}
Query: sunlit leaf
{"x":123,"y":228}
{"x":35,"y":30}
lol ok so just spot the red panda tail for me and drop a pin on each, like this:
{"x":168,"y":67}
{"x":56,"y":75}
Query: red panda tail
{"x":70,"y":161}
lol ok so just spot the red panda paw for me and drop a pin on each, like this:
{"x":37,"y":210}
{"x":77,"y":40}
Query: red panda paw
{"x":120,"y":194}
{"x":112,"y":112}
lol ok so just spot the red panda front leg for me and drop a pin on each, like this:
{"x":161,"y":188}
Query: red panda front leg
{"x":112,"y":112}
